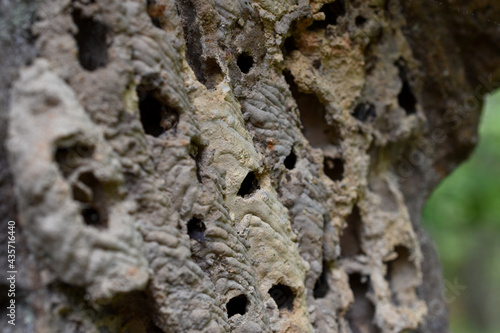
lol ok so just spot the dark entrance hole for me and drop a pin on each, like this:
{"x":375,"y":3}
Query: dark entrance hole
{"x":196,"y":229}
{"x":245,"y":62}
{"x":364,"y":111}
{"x":334,"y":168}
{"x":406,"y":98}
{"x":237,"y":305}
{"x":332,"y":12}
{"x":156,"y":118}
{"x":283,"y":296}
{"x":321,"y":286}
{"x":360,"y":314}
{"x":249,"y":185}
{"x":290,"y":161}
{"x":91,"y":40}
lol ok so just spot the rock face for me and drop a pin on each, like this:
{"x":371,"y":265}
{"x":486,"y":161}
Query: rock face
{"x":235,"y":166}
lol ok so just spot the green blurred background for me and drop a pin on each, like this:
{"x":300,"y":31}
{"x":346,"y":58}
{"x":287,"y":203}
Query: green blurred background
{"x":463,"y":218}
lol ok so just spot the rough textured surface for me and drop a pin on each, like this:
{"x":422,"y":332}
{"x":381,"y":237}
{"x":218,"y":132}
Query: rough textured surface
{"x":217,"y":166}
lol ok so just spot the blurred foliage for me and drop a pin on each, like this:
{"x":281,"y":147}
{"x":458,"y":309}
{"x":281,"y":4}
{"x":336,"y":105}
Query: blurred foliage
{"x":463,"y":218}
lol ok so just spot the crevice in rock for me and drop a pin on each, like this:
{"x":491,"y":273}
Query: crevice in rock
{"x":289,"y":45}
{"x":406,"y":98}
{"x":205,"y":68}
{"x":332,"y":12}
{"x":321,"y":287}
{"x":350,"y":240}
{"x":197,"y":155}
{"x":312,"y":116}
{"x":360,"y":314}
{"x":401,"y":274}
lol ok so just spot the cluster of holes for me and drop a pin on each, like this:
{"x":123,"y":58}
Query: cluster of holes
{"x":401,"y":274}
{"x":87,"y":189}
{"x":364,"y":111}
{"x":196,"y":229}
{"x":237,"y":305}
{"x":350,"y":241}
{"x":406,"y":98}
{"x":156,"y":117}
{"x":312,"y":116}
{"x":249,"y":185}
{"x":332,"y":13}
{"x":321,"y":286}
{"x":245,"y":62}
{"x":205,"y":68}
{"x":91,"y":40}
{"x":283,"y":296}
{"x":360,"y":314}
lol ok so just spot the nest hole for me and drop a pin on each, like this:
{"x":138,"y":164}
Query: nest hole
{"x":245,"y":62}
{"x":249,"y":185}
{"x":283,"y":296}
{"x":91,"y":40}
{"x":237,"y":305}
{"x":333,"y":11}
{"x":364,"y":112}
{"x":334,"y":168}
{"x":360,"y":21}
{"x":156,"y":118}
{"x":406,"y":98}
{"x":290,"y":161}
{"x":196,"y":229}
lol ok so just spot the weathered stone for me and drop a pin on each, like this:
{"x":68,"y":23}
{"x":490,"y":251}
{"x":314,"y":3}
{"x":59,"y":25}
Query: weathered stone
{"x":216,"y":166}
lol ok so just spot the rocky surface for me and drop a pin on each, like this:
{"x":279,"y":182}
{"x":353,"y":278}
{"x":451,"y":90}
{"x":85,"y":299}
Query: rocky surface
{"x":216,"y":166}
